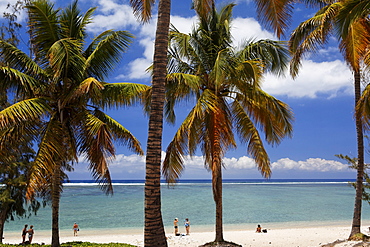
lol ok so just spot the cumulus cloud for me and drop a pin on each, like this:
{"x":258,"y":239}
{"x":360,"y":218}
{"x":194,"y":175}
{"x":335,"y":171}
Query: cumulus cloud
{"x":330,"y":78}
{"x":312,"y":164}
{"x":113,"y":15}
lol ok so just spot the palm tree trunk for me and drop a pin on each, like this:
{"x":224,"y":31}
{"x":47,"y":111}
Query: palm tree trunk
{"x":154,"y":234}
{"x":55,"y":199}
{"x":3,"y":213}
{"x":356,"y":221}
{"x":217,"y":195}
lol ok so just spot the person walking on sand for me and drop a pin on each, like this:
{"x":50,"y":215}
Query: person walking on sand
{"x":187,"y":226}
{"x":176,"y":226}
{"x":24,"y":233}
{"x":75,"y":229}
{"x":30,"y":233}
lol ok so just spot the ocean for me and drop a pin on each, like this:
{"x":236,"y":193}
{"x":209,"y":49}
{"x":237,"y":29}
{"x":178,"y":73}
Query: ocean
{"x":246,"y":203}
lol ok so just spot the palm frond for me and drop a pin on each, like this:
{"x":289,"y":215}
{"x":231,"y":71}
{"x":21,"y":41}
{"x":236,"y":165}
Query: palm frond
{"x":23,"y":111}
{"x":142,"y":9}
{"x":43,"y":20}
{"x":90,"y":88}
{"x":119,"y":132}
{"x":96,"y":144}
{"x":17,"y":59}
{"x":123,"y":94}
{"x":105,"y":52}
{"x":66,"y":60}
{"x":273,"y":55}
{"x":73,"y":23}
{"x":275,"y":13}
{"x":272,"y":115}
{"x":311,"y":34}
{"x":51,"y":151}
{"x":363,"y":107}
{"x":23,"y":84}
{"x":249,"y":134}
{"x":356,"y":43}
{"x":352,"y":11}
{"x":203,"y":7}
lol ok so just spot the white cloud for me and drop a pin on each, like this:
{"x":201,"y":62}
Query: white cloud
{"x":311,"y":164}
{"x":329,"y":78}
{"x":248,"y":28}
{"x":112,"y":15}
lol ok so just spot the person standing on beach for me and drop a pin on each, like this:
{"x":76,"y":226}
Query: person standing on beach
{"x":187,"y":226}
{"x":24,"y":233}
{"x":75,"y":229}
{"x":176,"y":226}
{"x":30,"y":234}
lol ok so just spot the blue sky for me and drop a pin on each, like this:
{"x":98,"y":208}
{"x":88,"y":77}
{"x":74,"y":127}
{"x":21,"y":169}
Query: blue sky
{"x":321,"y":98}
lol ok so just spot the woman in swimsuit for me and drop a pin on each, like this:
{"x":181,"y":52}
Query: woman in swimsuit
{"x":187,"y":226}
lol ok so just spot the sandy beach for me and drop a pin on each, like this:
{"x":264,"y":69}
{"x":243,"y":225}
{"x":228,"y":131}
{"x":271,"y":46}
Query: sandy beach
{"x":281,"y":237}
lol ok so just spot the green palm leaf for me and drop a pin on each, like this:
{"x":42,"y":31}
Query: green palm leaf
{"x":123,"y":94}
{"x":105,"y":52}
{"x":120,"y":133}
{"x":66,"y":60}
{"x":43,"y":20}
{"x":26,"y":110}
{"x":73,"y":24}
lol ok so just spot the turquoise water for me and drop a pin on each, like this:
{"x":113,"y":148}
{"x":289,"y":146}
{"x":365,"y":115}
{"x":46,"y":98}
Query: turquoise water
{"x":244,"y":201}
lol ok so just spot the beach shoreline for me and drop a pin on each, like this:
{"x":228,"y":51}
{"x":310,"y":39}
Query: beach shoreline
{"x":278,"y":235}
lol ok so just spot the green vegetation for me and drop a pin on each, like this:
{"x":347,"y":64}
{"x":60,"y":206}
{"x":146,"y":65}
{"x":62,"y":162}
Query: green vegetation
{"x":77,"y":244}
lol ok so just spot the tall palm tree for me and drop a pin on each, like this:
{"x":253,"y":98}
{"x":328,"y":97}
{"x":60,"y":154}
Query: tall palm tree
{"x":63,"y":93}
{"x":225,"y":83}
{"x":354,"y":42}
{"x":154,"y":234}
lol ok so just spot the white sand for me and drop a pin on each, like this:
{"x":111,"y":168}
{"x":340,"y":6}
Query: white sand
{"x":280,"y":237}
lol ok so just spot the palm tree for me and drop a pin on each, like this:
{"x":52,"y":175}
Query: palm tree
{"x":154,"y":234}
{"x":225,"y":82}
{"x":63,"y":91}
{"x":354,"y":42}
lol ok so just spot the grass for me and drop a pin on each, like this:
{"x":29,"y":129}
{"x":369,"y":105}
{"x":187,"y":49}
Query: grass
{"x":74,"y":244}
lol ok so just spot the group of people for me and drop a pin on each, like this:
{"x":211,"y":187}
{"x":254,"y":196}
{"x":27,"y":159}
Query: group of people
{"x":186,"y":224}
{"x":30,"y":233}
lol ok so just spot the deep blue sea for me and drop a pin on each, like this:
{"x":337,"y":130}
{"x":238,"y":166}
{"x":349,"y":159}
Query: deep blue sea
{"x":244,"y":202}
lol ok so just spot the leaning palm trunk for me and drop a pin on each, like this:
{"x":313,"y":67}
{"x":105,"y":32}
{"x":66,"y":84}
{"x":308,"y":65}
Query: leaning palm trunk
{"x":356,"y":221}
{"x":55,"y":199}
{"x":154,"y":234}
